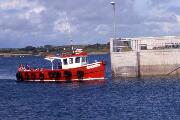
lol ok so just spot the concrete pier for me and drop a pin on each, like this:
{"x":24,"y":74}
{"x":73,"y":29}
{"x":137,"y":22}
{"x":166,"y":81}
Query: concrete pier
{"x":137,"y":63}
{"x":145,"y":63}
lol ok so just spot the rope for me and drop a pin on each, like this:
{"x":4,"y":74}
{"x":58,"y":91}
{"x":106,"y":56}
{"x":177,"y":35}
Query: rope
{"x":173,"y":71}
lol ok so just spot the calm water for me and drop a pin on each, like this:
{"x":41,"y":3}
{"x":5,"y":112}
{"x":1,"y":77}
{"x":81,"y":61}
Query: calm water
{"x":128,"y":99}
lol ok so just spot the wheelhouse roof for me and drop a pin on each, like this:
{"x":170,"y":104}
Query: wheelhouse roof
{"x":52,"y":57}
{"x":73,"y":55}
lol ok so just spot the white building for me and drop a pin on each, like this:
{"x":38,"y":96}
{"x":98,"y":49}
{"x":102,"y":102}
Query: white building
{"x":146,"y":43}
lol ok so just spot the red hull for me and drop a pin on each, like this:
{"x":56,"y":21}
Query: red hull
{"x":90,"y":72}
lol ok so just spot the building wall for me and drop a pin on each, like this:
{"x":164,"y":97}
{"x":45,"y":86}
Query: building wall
{"x":153,"y":42}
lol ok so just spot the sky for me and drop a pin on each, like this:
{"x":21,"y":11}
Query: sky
{"x":56,"y":22}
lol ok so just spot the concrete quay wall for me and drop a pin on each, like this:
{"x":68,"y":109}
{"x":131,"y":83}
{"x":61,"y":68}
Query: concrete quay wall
{"x":145,"y":63}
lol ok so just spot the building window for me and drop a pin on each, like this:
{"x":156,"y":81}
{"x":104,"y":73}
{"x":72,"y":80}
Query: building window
{"x":143,"y":46}
{"x":77,"y":60}
{"x":70,"y":60}
{"x":65,"y":61}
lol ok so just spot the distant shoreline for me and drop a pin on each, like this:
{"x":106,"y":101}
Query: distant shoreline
{"x":50,"y":50}
{"x":15,"y":55}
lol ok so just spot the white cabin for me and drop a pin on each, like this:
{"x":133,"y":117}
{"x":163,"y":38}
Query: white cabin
{"x":70,"y":61}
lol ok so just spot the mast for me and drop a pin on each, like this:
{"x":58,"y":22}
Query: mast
{"x":69,"y":31}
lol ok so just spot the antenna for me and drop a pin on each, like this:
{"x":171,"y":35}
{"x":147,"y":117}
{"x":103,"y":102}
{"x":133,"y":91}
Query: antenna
{"x":69,"y":30}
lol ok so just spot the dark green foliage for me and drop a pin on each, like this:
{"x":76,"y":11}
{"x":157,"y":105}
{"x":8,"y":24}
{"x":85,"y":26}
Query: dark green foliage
{"x":49,"y":49}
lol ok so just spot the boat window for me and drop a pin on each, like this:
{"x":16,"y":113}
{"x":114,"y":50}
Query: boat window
{"x":70,"y":60}
{"x":83,"y":59}
{"x":65,"y":61}
{"x":77,"y":60}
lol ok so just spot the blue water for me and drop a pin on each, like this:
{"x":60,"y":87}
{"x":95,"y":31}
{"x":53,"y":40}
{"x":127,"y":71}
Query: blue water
{"x":155,"y":98}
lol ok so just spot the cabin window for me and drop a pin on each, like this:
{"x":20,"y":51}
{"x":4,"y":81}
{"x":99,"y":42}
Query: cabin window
{"x":83,"y":59}
{"x":65,"y":61}
{"x":70,"y":60}
{"x":77,"y":60}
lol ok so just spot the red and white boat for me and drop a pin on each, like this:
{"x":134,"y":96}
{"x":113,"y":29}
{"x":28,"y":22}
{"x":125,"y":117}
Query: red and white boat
{"x":73,"y":67}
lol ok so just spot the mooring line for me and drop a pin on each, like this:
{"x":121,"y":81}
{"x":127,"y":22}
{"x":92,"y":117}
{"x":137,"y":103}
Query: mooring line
{"x":173,"y":71}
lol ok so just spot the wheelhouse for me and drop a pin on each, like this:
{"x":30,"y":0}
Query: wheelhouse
{"x":73,"y":62}
{"x":70,"y":61}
